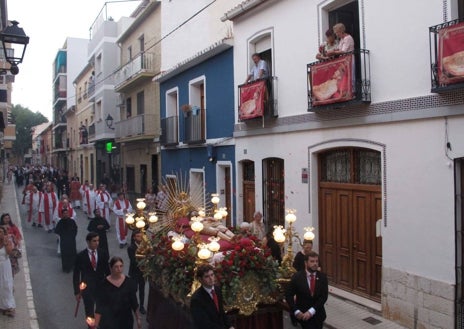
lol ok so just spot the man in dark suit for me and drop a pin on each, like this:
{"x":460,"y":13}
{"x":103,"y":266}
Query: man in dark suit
{"x":91,"y":267}
{"x":307,"y":293}
{"x":134,"y":271}
{"x":206,"y":305}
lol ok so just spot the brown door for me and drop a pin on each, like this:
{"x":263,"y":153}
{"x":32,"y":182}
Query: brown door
{"x":351,"y":254}
{"x":248,"y":169}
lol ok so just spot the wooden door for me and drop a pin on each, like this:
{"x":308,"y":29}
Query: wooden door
{"x":249,"y":206}
{"x":248,"y":200}
{"x":351,"y":254}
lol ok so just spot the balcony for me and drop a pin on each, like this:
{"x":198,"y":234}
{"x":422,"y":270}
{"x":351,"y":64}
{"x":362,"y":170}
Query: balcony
{"x":143,"y":125}
{"x":447,"y":56}
{"x":194,"y":126}
{"x":99,"y":130}
{"x":258,"y":99}
{"x":339,"y":81}
{"x":169,"y":135}
{"x":140,"y":69}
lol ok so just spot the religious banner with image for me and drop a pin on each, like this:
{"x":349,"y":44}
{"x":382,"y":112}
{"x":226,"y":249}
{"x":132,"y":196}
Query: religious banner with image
{"x":451,"y":54}
{"x":332,"y":81}
{"x":252,"y":98}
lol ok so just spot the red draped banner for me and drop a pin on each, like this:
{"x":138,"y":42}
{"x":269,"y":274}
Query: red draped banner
{"x":331,"y":81}
{"x":451,"y":54}
{"x":252,"y":98}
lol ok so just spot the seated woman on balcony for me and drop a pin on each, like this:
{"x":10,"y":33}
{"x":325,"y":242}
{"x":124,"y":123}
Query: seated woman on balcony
{"x":330,"y":44}
{"x":345,"y":43}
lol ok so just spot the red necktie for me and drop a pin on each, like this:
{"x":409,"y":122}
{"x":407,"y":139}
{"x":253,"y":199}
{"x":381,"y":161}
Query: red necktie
{"x":94,"y":260}
{"x":312,"y":283}
{"x":215,"y":299}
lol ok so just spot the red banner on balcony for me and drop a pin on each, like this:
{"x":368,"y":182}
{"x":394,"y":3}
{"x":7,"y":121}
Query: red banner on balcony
{"x":252,"y":98}
{"x":451,"y":54}
{"x":332,"y":81}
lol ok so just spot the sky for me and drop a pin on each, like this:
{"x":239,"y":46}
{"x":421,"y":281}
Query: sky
{"x":48,"y":23}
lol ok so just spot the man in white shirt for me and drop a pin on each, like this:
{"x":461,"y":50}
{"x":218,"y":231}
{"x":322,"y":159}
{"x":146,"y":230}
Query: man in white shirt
{"x":259,"y":69}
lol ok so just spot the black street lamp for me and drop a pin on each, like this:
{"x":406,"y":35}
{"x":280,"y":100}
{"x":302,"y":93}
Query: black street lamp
{"x":109,"y":121}
{"x":14,"y":36}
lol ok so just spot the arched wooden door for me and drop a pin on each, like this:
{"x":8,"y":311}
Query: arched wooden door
{"x":350,"y":203}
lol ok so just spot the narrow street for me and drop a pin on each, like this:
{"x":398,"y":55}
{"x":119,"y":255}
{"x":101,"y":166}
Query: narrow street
{"x":53,"y":291}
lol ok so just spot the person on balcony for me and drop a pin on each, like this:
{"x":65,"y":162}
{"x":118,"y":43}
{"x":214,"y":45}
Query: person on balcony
{"x":259,"y":69}
{"x":330,"y":44}
{"x":345,"y":41}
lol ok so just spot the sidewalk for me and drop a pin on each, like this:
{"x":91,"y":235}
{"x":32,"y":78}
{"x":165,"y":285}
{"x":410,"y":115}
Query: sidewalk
{"x":341,"y":314}
{"x":26,"y":317}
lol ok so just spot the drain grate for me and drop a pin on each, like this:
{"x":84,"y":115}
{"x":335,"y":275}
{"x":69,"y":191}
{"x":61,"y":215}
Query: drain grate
{"x":372,"y":320}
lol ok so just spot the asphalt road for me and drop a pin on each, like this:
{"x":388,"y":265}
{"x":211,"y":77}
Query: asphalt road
{"x":53,"y":291}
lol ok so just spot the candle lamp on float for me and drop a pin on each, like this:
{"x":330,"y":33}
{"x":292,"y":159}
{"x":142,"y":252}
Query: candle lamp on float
{"x":141,"y":220}
{"x":282,"y":235}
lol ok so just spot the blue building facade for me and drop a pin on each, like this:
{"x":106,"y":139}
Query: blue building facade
{"x":197,"y":122}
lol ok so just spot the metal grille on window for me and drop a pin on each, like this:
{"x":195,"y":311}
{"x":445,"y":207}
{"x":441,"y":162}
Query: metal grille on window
{"x":368,"y":170}
{"x":336,"y":167}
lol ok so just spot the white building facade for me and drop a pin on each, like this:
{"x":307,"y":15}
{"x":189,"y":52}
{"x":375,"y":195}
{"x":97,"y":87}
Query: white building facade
{"x":378,"y":178}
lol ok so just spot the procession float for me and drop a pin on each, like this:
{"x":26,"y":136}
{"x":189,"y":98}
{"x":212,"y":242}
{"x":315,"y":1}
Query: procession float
{"x":190,"y":232}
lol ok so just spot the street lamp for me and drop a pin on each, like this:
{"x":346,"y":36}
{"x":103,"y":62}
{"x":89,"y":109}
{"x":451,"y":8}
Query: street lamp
{"x":13,"y":36}
{"x":109,"y":121}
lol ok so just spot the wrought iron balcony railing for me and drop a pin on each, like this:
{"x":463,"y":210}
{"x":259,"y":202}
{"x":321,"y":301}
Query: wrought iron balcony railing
{"x":447,"y":56}
{"x":340,"y":80}
{"x":258,"y":99}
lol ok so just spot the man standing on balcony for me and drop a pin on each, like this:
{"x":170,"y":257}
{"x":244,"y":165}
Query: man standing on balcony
{"x":259,"y":69}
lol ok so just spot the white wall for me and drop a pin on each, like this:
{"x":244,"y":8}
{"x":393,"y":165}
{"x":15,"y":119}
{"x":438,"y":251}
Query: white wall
{"x":419,"y":236}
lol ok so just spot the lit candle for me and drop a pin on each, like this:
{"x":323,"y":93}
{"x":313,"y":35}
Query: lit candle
{"x":82,"y":286}
{"x":90,"y":322}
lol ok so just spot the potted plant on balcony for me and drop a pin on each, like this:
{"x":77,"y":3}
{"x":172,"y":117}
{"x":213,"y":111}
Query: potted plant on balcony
{"x":186,"y":108}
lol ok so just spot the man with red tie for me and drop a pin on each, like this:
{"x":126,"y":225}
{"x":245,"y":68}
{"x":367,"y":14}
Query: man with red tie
{"x":91,"y":267}
{"x":307,"y":293}
{"x":206,"y":305}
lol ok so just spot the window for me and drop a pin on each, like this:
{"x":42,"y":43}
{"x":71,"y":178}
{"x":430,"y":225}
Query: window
{"x":128,"y":107}
{"x":142,"y":43}
{"x":197,"y":186}
{"x":261,"y":44}
{"x":172,"y":103}
{"x":140,"y":103}
{"x":129,"y":54}
{"x":348,"y":14}
{"x":197,"y":93}
{"x":98,"y":110}
{"x":98,"y":64}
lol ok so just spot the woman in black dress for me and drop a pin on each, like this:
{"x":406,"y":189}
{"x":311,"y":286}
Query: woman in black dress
{"x":117,"y":300}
